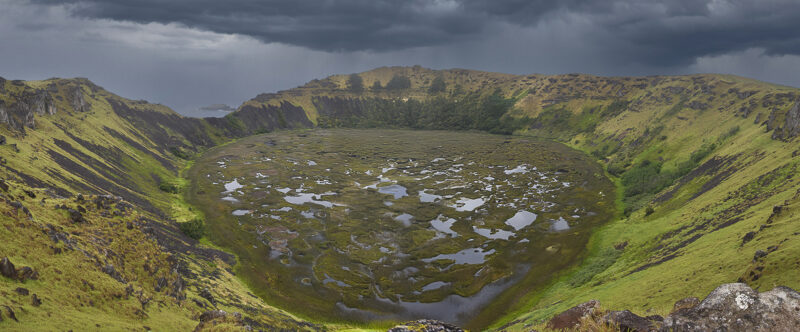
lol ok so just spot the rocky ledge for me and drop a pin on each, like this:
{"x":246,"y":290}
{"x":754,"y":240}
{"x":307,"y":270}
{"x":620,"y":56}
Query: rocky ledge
{"x":730,"y":307}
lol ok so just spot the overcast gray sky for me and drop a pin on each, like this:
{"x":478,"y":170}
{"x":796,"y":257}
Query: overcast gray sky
{"x":191,"y":53}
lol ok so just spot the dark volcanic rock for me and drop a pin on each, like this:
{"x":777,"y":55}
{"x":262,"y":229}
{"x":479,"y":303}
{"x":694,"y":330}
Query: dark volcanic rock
{"x":16,"y":205}
{"x":57,"y":234}
{"x":22,"y":291}
{"x":571,"y":318}
{"x":759,"y":254}
{"x":737,"y":307}
{"x":110,"y":270}
{"x":76,"y":216}
{"x":26,"y":272}
{"x":206,"y":294}
{"x":628,"y":321}
{"x":748,"y":237}
{"x":10,"y":313}
{"x":7,"y":268}
{"x":426,"y":325}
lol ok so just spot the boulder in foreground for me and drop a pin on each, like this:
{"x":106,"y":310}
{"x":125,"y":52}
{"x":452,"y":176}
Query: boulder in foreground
{"x":730,"y":307}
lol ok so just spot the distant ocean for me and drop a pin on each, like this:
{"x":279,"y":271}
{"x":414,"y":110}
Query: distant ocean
{"x":200,"y":113}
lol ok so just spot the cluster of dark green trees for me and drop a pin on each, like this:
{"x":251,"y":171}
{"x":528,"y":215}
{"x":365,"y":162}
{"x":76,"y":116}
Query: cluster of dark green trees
{"x":465,"y":112}
{"x":355,"y":84}
{"x":648,"y":177}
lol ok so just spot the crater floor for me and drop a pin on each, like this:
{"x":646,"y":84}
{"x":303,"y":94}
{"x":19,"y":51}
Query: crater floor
{"x":394,"y":224}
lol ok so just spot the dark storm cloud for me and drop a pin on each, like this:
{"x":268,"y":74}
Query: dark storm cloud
{"x":193,"y":53}
{"x":662,"y":33}
{"x":337,"y":25}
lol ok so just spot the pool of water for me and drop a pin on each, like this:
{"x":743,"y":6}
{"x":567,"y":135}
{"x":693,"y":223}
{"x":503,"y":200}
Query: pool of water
{"x":396,"y":190}
{"x":521,"y":220}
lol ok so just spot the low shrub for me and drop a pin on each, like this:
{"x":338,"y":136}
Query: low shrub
{"x":195,"y":228}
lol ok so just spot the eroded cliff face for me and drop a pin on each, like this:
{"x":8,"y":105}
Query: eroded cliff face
{"x":784,"y":125}
{"x":78,"y":102}
{"x":20,"y":112}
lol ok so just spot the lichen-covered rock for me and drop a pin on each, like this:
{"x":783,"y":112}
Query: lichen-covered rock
{"x":572,"y":318}
{"x":426,"y":325}
{"x":737,"y":307}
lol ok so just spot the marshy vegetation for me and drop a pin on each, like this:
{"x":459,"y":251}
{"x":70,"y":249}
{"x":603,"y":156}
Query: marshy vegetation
{"x":388,"y":224}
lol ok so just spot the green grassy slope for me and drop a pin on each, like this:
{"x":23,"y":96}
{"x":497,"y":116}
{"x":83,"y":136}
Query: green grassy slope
{"x":113,"y":262}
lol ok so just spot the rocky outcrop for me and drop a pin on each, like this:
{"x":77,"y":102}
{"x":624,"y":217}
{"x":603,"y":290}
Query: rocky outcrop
{"x":426,"y":325}
{"x":79,"y":103}
{"x":42,"y":103}
{"x":35,"y":300}
{"x":29,"y":121}
{"x":791,"y":126}
{"x":20,"y":113}
{"x":737,"y":307}
{"x":791,"y":123}
{"x":8,"y":270}
{"x":730,"y":307}
{"x":4,"y":118}
{"x":628,"y":321}
{"x":210,"y":320}
{"x":574,"y":317}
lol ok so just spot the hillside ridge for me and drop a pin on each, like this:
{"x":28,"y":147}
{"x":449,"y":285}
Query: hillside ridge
{"x":705,"y":166}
